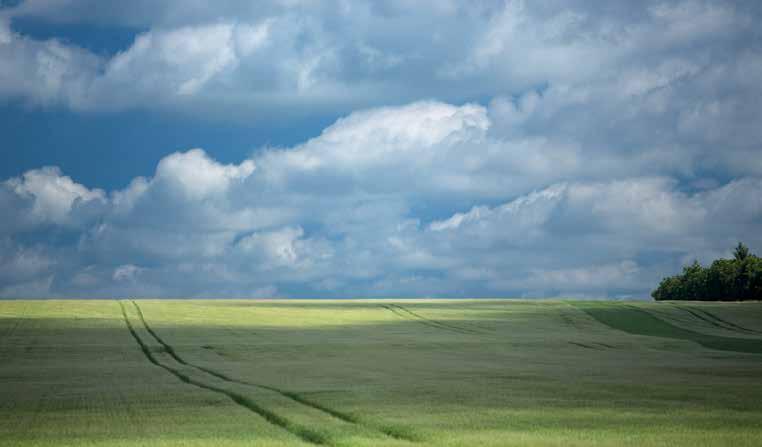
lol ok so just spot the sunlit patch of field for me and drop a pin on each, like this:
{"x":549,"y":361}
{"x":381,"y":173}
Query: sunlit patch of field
{"x":379,"y":373}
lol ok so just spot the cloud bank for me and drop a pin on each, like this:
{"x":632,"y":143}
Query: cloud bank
{"x":344,"y":214}
{"x":346,"y":55}
{"x":539,"y":151}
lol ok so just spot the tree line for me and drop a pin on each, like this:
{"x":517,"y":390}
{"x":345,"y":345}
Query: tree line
{"x":734,"y":279}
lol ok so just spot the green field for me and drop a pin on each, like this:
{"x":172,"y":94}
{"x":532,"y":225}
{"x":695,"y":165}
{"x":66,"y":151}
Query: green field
{"x":380,"y":373}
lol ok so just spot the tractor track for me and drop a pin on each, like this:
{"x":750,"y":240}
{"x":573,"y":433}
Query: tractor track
{"x":595,"y":345}
{"x":18,"y":320}
{"x":634,"y":320}
{"x":586,"y":346}
{"x":344,"y":417}
{"x":716,"y":321}
{"x":410,"y":315}
{"x":11,"y":329}
{"x":293,"y":396}
{"x":273,"y":418}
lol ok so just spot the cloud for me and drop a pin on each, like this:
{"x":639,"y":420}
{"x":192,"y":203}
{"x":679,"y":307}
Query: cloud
{"x":45,"y":72}
{"x":578,"y":281}
{"x":354,"y":211}
{"x":22,"y":264}
{"x":419,"y":145}
{"x":162,"y":67}
{"x":339,"y":57}
{"x":5,"y":31}
{"x":632,"y":230}
{"x":180,"y":61}
{"x":50,"y":195}
{"x":539,"y":150}
{"x":126,"y":272}
{"x":196,"y":176}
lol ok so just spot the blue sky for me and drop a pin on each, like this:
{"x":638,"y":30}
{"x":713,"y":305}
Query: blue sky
{"x":337,"y":149}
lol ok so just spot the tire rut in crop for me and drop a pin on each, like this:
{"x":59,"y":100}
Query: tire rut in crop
{"x":11,"y":329}
{"x":593,"y":345}
{"x":16,"y":324}
{"x":441,"y":323}
{"x":302,"y":433}
{"x":634,"y":320}
{"x":410,"y":315}
{"x":156,"y":337}
{"x":569,"y":321}
{"x":716,"y":321}
{"x":586,"y":346}
{"x":405,"y":316}
{"x":344,"y":417}
{"x":293,"y":396}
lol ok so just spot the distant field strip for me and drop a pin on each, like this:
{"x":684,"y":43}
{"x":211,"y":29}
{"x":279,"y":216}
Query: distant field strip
{"x":716,"y":321}
{"x":410,"y":315}
{"x":305,"y":433}
{"x":640,"y":322}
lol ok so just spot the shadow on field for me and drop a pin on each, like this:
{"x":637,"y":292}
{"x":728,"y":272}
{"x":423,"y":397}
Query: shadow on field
{"x":639,"y":322}
{"x":716,"y":321}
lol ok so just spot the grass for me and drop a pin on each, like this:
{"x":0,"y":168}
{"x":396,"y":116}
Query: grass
{"x":638,"y":321}
{"x":379,"y":373}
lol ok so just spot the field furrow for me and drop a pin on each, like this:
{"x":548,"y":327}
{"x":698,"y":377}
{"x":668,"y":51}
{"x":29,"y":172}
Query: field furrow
{"x":303,"y":433}
{"x":408,"y":314}
{"x":312,"y":422}
{"x":641,"y":322}
{"x":717,"y":321}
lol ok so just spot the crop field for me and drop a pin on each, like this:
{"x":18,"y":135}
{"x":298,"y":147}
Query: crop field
{"x":380,"y":373}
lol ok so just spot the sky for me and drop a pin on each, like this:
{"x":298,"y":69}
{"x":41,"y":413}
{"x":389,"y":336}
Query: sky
{"x":316,"y":149}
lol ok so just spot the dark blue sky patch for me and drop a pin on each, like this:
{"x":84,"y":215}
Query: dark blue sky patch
{"x":99,"y":39}
{"x":108,"y":150}
{"x":9,"y":3}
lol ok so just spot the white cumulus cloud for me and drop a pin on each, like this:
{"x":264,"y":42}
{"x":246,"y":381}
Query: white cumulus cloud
{"x":496,"y":148}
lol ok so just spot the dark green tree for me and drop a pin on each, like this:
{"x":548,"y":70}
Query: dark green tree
{"x":734,"y":279}
{"x":741,"y":252}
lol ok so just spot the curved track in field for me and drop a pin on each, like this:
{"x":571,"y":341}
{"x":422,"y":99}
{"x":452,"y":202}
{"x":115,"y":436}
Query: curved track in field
{"x":636,"y":321}
{"x":16,"y":324}
{"x":716,"y":321}
{"x":305,"y":435}
{"x":303,"y":432}
{"x":408,"y":314}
